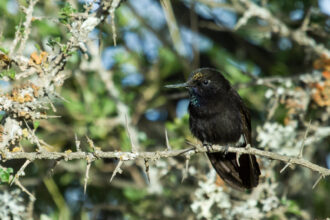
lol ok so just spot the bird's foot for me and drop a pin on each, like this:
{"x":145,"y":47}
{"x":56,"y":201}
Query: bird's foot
{"x":208,"y":146}
{"x":225,"y":152}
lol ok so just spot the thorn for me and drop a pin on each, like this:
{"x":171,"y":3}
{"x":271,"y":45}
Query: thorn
{"x":91,"y":143}
{"x":317,"y":181}
{"x":20,"y":172}
{"x":77,"y":142}
{"x":129,"y":134}
{"x":19,"y":184}
{"x":117,"y":170}
{"x":286,"y":166}
{"x":185,"y":171}
{"x":306,"y":21}
{"x":238,"y":155}
{"x":194,"y":147}
{"x":168,"y":146}
{"x":248,"y":147}
{"x":190,"y":143}
{"x":34,"y":137}
{"x":146,"y":164}
{"x":59,"y":96}
{"x":303,"y":142}
{"x":51,"y":104}
{"x":89,"y":163}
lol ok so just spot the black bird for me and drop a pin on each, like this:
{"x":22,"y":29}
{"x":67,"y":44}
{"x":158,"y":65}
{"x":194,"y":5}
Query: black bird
{"x":217,"y":115}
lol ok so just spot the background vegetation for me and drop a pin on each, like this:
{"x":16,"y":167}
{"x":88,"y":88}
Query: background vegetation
{"x":62,"y":76}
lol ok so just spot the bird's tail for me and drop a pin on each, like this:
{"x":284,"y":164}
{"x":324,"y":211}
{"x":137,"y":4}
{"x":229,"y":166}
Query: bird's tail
{"x":242,"y":176}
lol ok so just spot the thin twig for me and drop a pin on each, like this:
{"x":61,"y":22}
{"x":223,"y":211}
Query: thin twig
{"x":172,"y":26}
{"x":117,"y":170}
{"x":129,"y":135}
{"x":77,"y":143}
{"x":285,"y":167}
{"x":89,"y":163}
{"x":317,"y":181}
{"x":168,"y":146}
{"x":91,"y":144}
{"x":113,"y":7}
{"x":28,"y":19}
{"x":20,"y":171}
{"x":19,"y":184}
{"x":303,"y":142}
{"x":185,"y":170}
{"x":34,"y":138}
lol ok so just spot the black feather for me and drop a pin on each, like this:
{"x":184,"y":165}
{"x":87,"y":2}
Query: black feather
{"x":219,"y":116}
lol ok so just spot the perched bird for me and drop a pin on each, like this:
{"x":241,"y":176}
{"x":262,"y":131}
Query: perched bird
{"x":217,"y":115}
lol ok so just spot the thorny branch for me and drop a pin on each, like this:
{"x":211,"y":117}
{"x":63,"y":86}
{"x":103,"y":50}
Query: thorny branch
{"x":152,"y":156}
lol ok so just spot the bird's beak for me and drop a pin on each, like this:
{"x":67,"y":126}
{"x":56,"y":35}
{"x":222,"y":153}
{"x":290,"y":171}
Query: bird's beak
{"x":180,"y":85}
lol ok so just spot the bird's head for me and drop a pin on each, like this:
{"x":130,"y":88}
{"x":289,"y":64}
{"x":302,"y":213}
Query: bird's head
{"x":205,"y":83}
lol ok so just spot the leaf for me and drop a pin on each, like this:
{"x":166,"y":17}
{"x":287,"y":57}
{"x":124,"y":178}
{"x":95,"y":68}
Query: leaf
{"x":52,"y":42}
{"x":65,"y":13}
{"x":5,"y":51}
{"x":292,"y":207}
{"x":36,"y":124}
{"x":9,"y":73}
{"x":38,"y":47}
{"x":5,"y":174}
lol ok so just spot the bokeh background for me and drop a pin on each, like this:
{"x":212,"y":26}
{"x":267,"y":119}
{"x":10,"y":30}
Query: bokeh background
{"x":283,"y":80}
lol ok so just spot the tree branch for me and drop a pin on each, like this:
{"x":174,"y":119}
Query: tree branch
{"x":125,"y":156}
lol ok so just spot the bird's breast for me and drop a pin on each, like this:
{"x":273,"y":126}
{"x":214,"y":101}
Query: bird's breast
{"x":217,"y":127}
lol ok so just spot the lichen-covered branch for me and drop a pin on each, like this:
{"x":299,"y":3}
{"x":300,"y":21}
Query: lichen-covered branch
{"x":277,"y":26}
{"x":125,"y":156}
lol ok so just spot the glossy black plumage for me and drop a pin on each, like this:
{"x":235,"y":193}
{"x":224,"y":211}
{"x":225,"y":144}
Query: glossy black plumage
{"x":219,"y":116}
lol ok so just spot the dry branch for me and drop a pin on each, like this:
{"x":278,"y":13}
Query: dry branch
{"x":151,"y":156}
{"x":277,"y":26}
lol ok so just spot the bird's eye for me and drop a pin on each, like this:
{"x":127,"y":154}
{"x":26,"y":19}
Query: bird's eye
{"x":206,"y":82}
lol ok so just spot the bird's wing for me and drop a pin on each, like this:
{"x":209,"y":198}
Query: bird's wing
{"x":246,"y":124}
{"x":246,"y":173}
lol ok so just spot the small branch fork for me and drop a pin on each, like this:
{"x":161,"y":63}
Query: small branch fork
{"x":301,"y":149}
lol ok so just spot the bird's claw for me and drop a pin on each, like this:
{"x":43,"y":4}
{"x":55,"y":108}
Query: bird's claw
{"x":225,"y":152}
{"x":208,"y":146}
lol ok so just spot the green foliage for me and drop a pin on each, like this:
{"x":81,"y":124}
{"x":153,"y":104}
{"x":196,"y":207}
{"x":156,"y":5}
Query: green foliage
{"x":65,"y":13}
{"x":52,"y":42}
{"x":9,"y":73}
{"x":37,"y":47}
{"x":178,"y":131}
{"x":168,"y":62}
{"x":20,"y":29}
{"x":5,"y":174}
{"x":46,"y":29}
{"x":36,"y":124}
{"x":293,"y":207}
{"x":134,"y":194}
{"x":4,"y":50}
